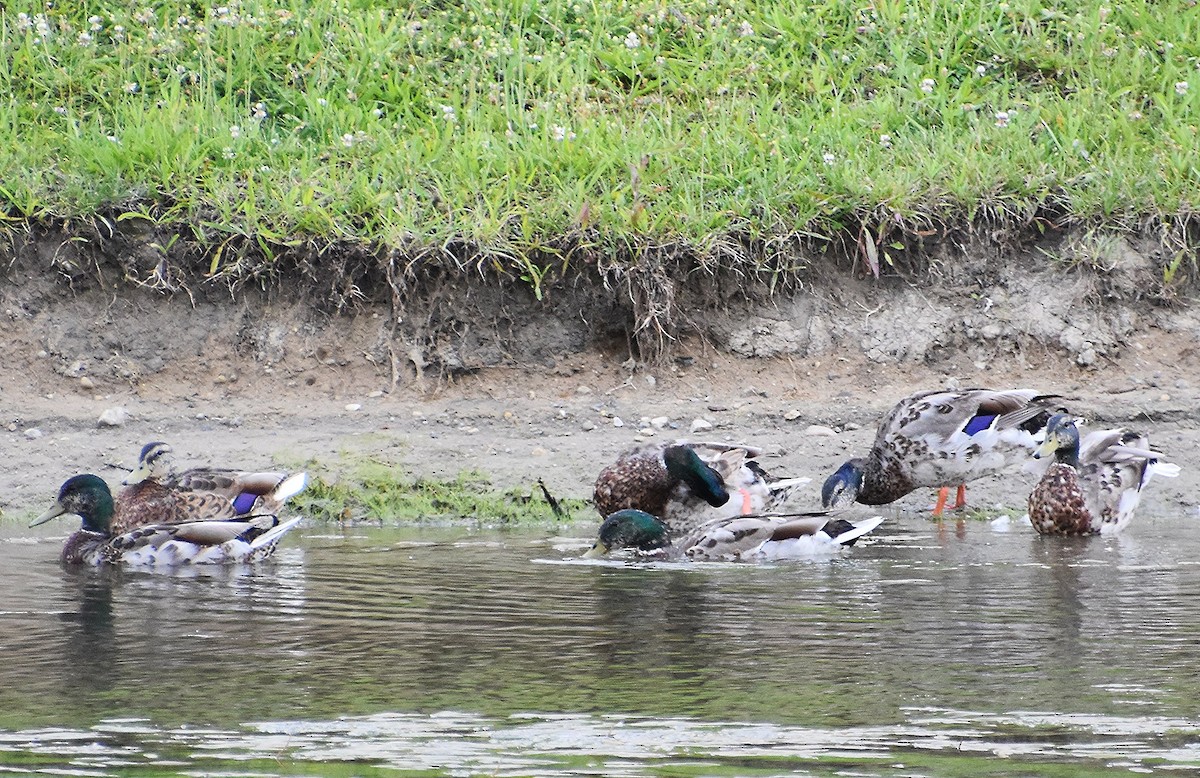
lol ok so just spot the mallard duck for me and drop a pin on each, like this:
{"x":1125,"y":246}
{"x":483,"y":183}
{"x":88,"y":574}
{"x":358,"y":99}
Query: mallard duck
{"x":1093,"y":488}
{"x":942,"y":438}
{"x":245,"y":539}
{"x":687,"y":483}
{"x":155,"y":494}
{"x":732,"y":538}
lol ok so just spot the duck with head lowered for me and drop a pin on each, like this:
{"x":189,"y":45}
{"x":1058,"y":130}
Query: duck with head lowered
{"x":155,"y":494}
{"x":1093,"y":486}
{"x":730,"y":539}
{"x":243,"y":539}
{"x":686,"y":484}
{"x":943,"y":438}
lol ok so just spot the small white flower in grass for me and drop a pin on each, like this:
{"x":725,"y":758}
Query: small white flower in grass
{"x":114,"y":139}
{"x":632,"y":41}
{"x":746,"y":29}
{"x":228,"y":153}
{"x":23,"y":22}
{"x":132,"y":87}
{"x":981,"y":70}
{"x":260,"y":111}
{"x":351,"y":95}
{"x":1181,"y":87}
{"x":927,"y":85}
{"x":348,"y":140}
{"x":84,"y":39}
{"x":561,"y":133}
{"x":321,"y":101}
{"x":829,"y":158}
{"x":885,"y":140}
{"x":449,"y":114}
{"x":61,"y":110}
{"x":1135,"y":115}
{"x":377,"y":113}
{"x":235,"y":131}
{"x":1002,"y":118}
{"x":95,"y":23}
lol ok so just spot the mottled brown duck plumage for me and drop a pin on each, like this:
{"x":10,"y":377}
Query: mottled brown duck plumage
{"x":1093,"y":487}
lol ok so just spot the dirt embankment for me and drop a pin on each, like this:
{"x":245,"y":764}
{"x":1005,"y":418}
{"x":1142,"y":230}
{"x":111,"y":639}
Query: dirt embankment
{"x":443,"y":372}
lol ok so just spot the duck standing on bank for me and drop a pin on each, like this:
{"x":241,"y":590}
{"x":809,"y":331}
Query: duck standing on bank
{"x":943,"y":438}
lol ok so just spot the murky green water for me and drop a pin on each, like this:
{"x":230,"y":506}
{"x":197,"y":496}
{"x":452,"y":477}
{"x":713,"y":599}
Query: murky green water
{"x":934,"y":651}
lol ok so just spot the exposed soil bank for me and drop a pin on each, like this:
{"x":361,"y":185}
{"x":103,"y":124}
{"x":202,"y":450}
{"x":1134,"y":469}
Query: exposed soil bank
{"x":461,"y":371}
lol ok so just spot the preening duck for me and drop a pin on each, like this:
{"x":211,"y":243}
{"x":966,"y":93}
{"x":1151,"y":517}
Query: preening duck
{"x":1092,"y":488}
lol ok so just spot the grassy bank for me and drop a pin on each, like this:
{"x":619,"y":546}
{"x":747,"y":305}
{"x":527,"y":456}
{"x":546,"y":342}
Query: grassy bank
{"x":375,"y":491}
{"x":524,"y":127}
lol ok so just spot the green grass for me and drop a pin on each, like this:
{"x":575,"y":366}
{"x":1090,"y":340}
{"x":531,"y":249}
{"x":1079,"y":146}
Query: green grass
{"x":377,"y":491}
{"x":511,"y":136}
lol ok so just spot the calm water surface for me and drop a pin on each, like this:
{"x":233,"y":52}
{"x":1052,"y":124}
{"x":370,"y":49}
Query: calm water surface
{"x":936,"y":650}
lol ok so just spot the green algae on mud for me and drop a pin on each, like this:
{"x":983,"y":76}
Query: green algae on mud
{"x":375,"y":491}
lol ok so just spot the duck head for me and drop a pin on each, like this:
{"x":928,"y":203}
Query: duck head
{"x":88,"y":497}
{"x":1062,"y":440}
{"x":684,"y":464}
{"x":629,"y":529}
{"x":153,"y":462}
{"x":843,"y":486}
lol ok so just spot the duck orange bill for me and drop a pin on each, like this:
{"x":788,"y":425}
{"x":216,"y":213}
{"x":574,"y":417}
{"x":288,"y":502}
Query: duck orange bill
{"x":55,"y":510}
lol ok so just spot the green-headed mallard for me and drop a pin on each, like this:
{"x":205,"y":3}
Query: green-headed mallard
{"x":732,"y":538}
{"x":155,"y":494}
{"x":245,"y":539}
{"x":688,"y":484}
{"x":1092,"y":488}
{"x":942,"y":438}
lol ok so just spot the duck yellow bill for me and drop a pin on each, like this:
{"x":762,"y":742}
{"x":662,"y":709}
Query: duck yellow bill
{"x":1047,"y":447}
{"x":55,"y":510}
{"x":139,"y":474}
{"x":596,"y":551}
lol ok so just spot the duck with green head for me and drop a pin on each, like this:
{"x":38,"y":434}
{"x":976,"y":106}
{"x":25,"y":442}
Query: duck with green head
{"x":1093,"y":486}
{"x":942,"y":438}
{"x":688,"y":483}
{"x":735,"y":538}
{"x":245,"y":539}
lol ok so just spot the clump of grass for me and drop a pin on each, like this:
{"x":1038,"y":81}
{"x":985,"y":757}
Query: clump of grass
{"x":379,"y":492}
{"x":712,"y":124}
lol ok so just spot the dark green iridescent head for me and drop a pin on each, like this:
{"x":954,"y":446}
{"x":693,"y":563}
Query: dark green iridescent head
{"x":88,"y":497}
{"x":629,"y":529}
{"x":684,"y":464}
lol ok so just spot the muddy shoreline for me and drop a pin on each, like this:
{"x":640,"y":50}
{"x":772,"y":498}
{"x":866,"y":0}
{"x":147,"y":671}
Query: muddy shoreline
{"x":492,"y":380}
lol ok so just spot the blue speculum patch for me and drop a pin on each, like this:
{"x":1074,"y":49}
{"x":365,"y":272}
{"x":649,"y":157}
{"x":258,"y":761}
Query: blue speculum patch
{"x":244,"y":502}
{"x":978,"y":424}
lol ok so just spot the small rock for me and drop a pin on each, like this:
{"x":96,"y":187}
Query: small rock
{"x":617,"y":422}
{"x":658,"y":422}
{"x":1164,"y":397}
{"x":583,"y":390}
{"x":113,"y":417}
{"x":538,"y":452}
{"x":651,"y":381}
{"x":221,"y":379}
{"x":588,"y":426}
{"x":818,"y":430}
{"x":1086,"y":357}
{"x":851,"y":425}
{"x":717,"y":408}
{"x":33,"y":433}
{"x":700,"y":425}
{"x":376,"y":393}
{"x":354,"y":406}
{"x":791,"y":415}
{"x":86,"y":383}
{"x":952,"y":384}
{"x":646,"y":431}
